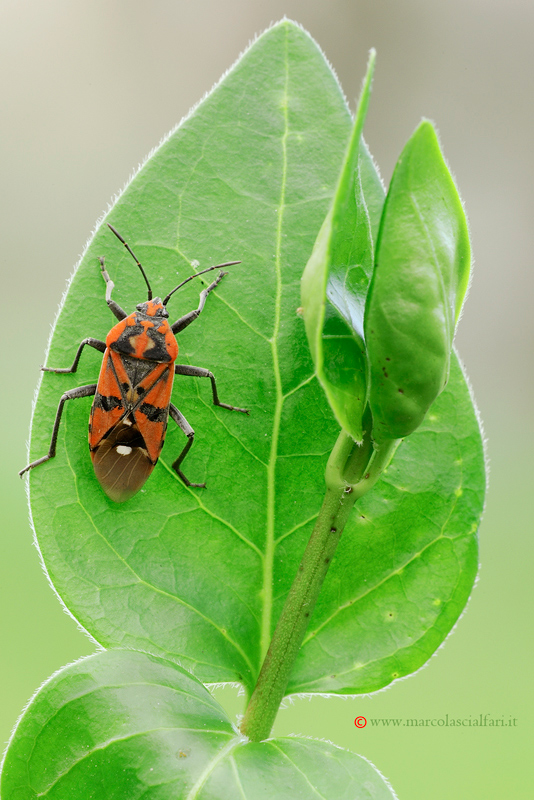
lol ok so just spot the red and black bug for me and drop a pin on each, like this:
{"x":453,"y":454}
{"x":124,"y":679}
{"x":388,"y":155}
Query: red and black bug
{"x":132,"y":401}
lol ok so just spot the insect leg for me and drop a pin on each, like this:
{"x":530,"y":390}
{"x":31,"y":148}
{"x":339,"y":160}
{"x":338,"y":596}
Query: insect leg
{"x":96,"y":343}
{"x":113,"y":306}
{"x":199,"y":372}
{"x":182,"y":423}
{"x":187,"y":319}
{"x":72,"y":394}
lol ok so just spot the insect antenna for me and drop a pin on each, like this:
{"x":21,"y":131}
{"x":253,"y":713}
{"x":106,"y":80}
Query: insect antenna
{"x":217,"y":266}
{"x":131,"y":252}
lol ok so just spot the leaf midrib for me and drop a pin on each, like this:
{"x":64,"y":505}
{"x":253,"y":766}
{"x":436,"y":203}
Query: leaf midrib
{"x":270,"y":544}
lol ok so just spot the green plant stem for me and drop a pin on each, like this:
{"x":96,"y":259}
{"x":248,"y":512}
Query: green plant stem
{"x":352,"y":470}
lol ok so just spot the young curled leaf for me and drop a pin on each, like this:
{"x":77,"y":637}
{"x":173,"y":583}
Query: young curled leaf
{"x":122,"y":724}
{"x":336,"y":278}
{"x":418,"y":286}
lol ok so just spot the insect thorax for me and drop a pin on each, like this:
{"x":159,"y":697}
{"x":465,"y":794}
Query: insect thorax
{"x":144,"y":337}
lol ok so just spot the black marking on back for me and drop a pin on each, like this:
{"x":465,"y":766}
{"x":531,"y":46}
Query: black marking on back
{"x":125,"y":434}
{"x":157,"y":353}
{"x":107,"y":403}
{"x":153,"y":413}
{"x":122,"y":344}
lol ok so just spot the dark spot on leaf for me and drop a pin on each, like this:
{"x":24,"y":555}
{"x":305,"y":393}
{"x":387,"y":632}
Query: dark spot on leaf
{"x":401,"y":391}
{"x":333,"y":530}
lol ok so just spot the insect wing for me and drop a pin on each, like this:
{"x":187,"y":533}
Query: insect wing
{"x":152,"y":414}
{"x":127,"y":432}
{"x":108,"y":406}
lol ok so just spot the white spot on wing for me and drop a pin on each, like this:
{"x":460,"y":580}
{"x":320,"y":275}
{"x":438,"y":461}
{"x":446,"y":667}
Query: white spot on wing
{"x":123,"y":449}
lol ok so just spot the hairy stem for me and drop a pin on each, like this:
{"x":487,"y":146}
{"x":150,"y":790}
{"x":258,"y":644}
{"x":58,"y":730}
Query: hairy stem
{"x":352,"y":470}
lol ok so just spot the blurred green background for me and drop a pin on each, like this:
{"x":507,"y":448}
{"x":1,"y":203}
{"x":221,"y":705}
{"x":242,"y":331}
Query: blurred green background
{"x":88,"y":88}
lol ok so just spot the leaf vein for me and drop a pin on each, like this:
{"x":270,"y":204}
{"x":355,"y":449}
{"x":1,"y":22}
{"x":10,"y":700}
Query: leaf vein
{"x":211,"y":766}
{"x":388,"y":577}
{"x":298,"y":769}
{"x":122,"y":739}
{"x":156,"y":589}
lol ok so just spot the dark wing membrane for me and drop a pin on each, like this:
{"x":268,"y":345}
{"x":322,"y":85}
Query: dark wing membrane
{"x":121,"y":461}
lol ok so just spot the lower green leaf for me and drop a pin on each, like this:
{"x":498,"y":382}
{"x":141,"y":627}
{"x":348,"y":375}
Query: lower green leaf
{"x":123,"y":724}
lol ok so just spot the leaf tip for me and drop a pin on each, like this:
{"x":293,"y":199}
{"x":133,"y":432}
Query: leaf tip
{"x":426,"y":129}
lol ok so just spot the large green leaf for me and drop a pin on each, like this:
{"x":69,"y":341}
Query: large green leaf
{"x":419,"y":283}
{"x":199,"y":576}
{"x":125,"y":725}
